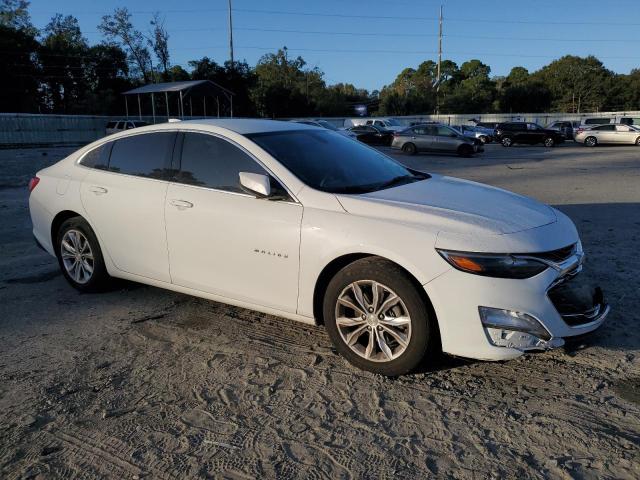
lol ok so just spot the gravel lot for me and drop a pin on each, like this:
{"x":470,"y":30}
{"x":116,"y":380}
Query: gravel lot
{"x":145,"y":383}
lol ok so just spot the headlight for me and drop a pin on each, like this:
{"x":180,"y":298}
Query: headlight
{"x":493,"y":265}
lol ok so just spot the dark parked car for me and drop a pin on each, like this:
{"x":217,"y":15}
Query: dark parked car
{"x":562,"y":126}
{"x":528,"y":133}
{"x":372,"y":134}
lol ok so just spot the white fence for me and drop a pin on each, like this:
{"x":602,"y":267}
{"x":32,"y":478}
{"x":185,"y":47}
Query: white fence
{"x":30,"y":130}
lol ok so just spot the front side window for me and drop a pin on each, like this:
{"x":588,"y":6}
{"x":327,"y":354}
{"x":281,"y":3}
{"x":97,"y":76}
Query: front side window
{"x":596,"y":121}
{"x":213,"y":162}
{"x":330,"y":162}
{"x":606,"y":128}
{"x":146,"y":155}
{"x":443,"y":131}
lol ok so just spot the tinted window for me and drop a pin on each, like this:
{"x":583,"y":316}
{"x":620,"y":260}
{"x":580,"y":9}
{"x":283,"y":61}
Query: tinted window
{"x":146,"y":155}
{"x":420,"y":130}
{"x":98,"y":157}
{"x":605,"y":127}
{"x":443,"y":131}
{"x":210,"y":161}
{"x":111,"y":124}
{"x":596,"y":121}
{"x":330,"y":162}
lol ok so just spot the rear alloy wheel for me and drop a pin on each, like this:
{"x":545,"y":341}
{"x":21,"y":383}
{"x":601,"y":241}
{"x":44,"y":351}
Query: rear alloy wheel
{"x":80,"y":257}
{"x":409,"y":148}
{"x":507,"y":142}
{"x":638,"y":141}
{"x":591,"y":141}
{"x":376,"y":318}
{"x":549,"y":142}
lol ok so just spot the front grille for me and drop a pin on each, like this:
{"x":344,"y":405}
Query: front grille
{"x":557,"y":256}
{"x":577,"y":304}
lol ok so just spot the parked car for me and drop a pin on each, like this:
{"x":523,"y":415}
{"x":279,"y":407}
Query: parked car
{"x":510,"y":133}
{"x":435,"y":138}
{"x":386,"y":123}
{"x":121,"y":125}
{"x":372,"y":134}
{"x":328,"y":126}
{"x":563,"y":126}
{"x":608,"y":134}
{"x":303,"y":223}
{"x":474,"y":132}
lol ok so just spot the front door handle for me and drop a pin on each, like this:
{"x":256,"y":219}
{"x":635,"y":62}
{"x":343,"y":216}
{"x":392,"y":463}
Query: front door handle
{"x":98,"y":190}
{"x":181,"y":204}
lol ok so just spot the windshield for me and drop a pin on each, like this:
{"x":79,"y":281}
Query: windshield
{"x":330,"y":162}
{"x":328,"y":125}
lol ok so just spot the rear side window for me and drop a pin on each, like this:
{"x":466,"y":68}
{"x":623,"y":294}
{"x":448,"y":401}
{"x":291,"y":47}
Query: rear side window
{"x":213,"y":162}
{"x":608,"y":128}
{"x":98,"y":157}
{"x":146,"y":155}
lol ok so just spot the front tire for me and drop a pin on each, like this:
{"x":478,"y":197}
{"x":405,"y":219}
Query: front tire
{"x":80,"y":256}
{"x":549,"y":142}
{"x":591,"y":141}
{"x":376,"y":317}
{"x":483,"y":139}
{"x":638,"y":141}
{"x":409,"y":149}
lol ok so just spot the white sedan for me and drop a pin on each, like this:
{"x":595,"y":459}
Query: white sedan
{"x":301,"y":222}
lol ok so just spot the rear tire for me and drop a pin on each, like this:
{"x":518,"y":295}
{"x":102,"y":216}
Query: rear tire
{"x":638,"y":141}
{"x":388,"y":332}
{"x":80,"y":257}
{"x":549,"y":142}
{"x":409,"y":149}
{"x":591,"y":141}
{"x":507,"y":142}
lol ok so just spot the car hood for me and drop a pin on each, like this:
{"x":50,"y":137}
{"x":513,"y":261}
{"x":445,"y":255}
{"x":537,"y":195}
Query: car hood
{"x":452,"y":205}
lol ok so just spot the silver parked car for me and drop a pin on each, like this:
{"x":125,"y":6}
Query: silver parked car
{"x":435,"y":138}
{"x":614,"y":133}
{"x":482,"y":134}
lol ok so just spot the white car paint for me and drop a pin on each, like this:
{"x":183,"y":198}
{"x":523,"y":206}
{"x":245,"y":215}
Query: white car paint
{"x":268,"y":255}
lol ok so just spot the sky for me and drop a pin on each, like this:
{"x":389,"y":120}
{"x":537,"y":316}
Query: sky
{"x":368,"y":42}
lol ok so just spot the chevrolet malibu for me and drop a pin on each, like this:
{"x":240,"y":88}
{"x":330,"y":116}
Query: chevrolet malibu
{"x":301,"y":222}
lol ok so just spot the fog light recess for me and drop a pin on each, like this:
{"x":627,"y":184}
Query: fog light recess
{"x":507,"y":328}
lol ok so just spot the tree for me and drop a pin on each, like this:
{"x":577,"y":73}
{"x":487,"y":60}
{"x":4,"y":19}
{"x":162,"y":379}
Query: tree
{"x":118,"y":28}
{"x":62,"y":55}
{"x":159,"y":42}
{"x":577,"y":84}
{"x":19,"y":84}
{"x":15,"y":14}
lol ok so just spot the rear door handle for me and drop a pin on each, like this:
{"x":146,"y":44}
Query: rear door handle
{"x":97,"y":190}
{"x":181,"y":204}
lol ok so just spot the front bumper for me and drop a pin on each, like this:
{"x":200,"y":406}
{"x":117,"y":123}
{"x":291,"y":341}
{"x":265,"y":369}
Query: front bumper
{"x":548,"y":297}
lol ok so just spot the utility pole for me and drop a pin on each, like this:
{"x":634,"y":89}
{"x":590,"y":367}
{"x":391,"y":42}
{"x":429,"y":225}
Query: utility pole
{"x":231,"y":36}
{"x":439,"y":63}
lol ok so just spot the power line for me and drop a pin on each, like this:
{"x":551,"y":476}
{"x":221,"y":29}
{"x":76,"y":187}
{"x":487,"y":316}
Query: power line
{"x":373,"y":17}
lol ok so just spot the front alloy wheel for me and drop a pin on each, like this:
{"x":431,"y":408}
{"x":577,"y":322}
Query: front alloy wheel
{"x":507,"y":142}
{"x":377,"y":317}
{"x":549,"y":142}
{"x":373,"y":321}
{"x":590,"y":141}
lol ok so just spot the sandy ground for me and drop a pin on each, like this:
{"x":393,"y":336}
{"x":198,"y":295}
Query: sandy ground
{"x":145,"y":383}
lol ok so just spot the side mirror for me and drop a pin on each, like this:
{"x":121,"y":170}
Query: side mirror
{"x":256,"y":184}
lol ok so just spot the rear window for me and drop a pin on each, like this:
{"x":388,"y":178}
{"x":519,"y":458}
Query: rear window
{"x":98,"y":157}
{"x":146,"y":155}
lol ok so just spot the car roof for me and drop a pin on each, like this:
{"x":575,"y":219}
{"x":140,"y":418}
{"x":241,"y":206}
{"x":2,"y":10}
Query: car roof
{"x":245,"y":126}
